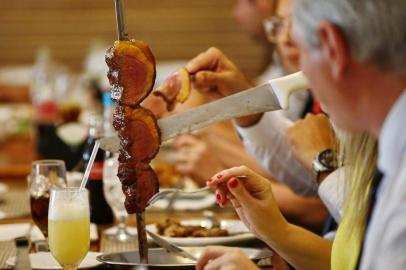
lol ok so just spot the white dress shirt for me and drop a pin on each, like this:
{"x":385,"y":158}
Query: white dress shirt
{"x":385,"y":239}
{"x":267,"y":142}
{"x":332,"y":193}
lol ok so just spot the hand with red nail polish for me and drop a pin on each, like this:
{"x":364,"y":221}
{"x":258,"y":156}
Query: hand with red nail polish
{"x":251,"y":197}
{"x":221,"y":196}
{"x":233,"y":183}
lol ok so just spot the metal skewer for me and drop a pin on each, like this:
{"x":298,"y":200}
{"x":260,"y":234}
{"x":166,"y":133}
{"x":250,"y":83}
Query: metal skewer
{"x":120,"y":19}
{"x":142,"y":238}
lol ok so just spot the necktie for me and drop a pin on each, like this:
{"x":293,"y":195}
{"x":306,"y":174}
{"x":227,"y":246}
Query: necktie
{"x":312,"y":106}
{"x":376,"y":181}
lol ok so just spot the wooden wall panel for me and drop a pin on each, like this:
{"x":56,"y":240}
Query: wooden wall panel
{"x":175,"y":29}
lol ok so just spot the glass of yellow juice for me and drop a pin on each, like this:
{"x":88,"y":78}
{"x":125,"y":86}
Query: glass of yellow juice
{"x":69,"y":226}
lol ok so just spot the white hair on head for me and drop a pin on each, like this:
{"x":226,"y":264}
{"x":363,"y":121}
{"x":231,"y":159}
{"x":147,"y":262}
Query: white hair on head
{"x":375,"y":29}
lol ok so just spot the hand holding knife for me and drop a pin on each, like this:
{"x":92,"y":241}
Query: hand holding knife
{"x":271,"y":96}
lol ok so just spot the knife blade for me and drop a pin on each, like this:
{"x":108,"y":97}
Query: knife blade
{"x":170,"y":247}
{"x":271,"y":96}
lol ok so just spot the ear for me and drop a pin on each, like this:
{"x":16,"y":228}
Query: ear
{"x":334,"y":49}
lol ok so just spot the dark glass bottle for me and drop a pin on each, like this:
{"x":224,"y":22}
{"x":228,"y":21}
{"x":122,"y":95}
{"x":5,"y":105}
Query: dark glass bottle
{"x":100,"y":211}
{"x":52,"y":131}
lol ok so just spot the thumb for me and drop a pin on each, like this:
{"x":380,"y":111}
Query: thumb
{"x":240,"y":193}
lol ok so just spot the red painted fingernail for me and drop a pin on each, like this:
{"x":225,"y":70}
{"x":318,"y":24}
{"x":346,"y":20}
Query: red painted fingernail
{"x":218,"y":197}
{"x":233,"y":183}
{"x":209,"y":181}
{"x":219,"y":176}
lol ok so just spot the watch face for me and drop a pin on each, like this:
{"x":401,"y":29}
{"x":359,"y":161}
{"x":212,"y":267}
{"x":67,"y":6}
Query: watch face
{"x":328,"y":159}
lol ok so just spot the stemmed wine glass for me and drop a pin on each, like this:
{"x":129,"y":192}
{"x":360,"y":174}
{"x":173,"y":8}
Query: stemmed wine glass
{"x":45,"y":174}
{"x":115,"y":198}
{"x":69,"y":226}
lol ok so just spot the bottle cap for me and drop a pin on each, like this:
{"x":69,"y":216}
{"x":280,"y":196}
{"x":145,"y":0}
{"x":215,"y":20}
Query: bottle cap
{"x":95,"y":125}
{"x":107,"y":101}
{"x":21,"y":241}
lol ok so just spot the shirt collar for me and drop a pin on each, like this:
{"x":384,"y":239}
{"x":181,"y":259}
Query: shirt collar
{"x":392,"y":140}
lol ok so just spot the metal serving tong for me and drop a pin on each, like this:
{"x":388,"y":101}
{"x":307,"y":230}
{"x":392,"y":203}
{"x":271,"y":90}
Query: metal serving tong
{"x":171,"y":247}
{"x":120,"y":19}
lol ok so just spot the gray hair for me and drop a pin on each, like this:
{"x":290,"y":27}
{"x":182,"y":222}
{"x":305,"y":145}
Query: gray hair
{"x":374,"y":29}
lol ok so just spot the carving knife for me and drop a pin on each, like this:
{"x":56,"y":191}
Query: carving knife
{"x":271,"y":96}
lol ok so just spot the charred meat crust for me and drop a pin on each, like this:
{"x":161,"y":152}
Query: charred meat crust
{"x":147,"y":182}
{"x":140,"y":136}
{"x":132,"y":71}
{"x":132,"y":75}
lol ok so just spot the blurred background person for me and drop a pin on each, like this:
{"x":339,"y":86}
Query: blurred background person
{"x":347,"y":67}
{"x":218,"y":147}
{"x":264,"y":135}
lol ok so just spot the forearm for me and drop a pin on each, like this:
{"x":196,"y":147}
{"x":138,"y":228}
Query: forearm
{"x":305,"y":211}
{"x":308,"y":212}
{"x":301,"y":248}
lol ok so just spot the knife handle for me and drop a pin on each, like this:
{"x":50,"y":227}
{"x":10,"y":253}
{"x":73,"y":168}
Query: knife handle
{"x":285,"y":86}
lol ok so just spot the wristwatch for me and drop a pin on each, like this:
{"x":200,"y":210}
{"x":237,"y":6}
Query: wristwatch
{"x":324,"y":162}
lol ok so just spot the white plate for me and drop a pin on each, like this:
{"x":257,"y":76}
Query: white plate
{"x":44,"y":260}
{"x":3,"y":189}
{"x":236,"y":228}
{"x":10,"y":231}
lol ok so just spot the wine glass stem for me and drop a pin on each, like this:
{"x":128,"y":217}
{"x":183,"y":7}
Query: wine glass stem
{"x":122,"y":225}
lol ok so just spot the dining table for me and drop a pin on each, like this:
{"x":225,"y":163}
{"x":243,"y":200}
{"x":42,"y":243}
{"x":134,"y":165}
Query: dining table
{"x":16,"y":156}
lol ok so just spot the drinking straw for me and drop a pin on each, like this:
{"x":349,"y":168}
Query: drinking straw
{"x":89,"y":165}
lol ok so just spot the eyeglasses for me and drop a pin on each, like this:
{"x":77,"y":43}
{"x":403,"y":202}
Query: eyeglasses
{"x":273,"y":26}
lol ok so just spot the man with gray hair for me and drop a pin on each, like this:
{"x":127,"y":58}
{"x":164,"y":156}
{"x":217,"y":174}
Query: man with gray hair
{"x":353,"y":53}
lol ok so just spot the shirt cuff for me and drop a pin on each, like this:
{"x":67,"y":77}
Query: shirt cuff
{"x":270,"y":122}
{"x":331,"y":192}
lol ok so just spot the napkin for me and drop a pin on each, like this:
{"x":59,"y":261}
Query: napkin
{"x":11,"y":231}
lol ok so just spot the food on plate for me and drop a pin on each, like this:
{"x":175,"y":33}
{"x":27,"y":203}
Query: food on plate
{"x":171,"y":228}
{"x":175,"y":89}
